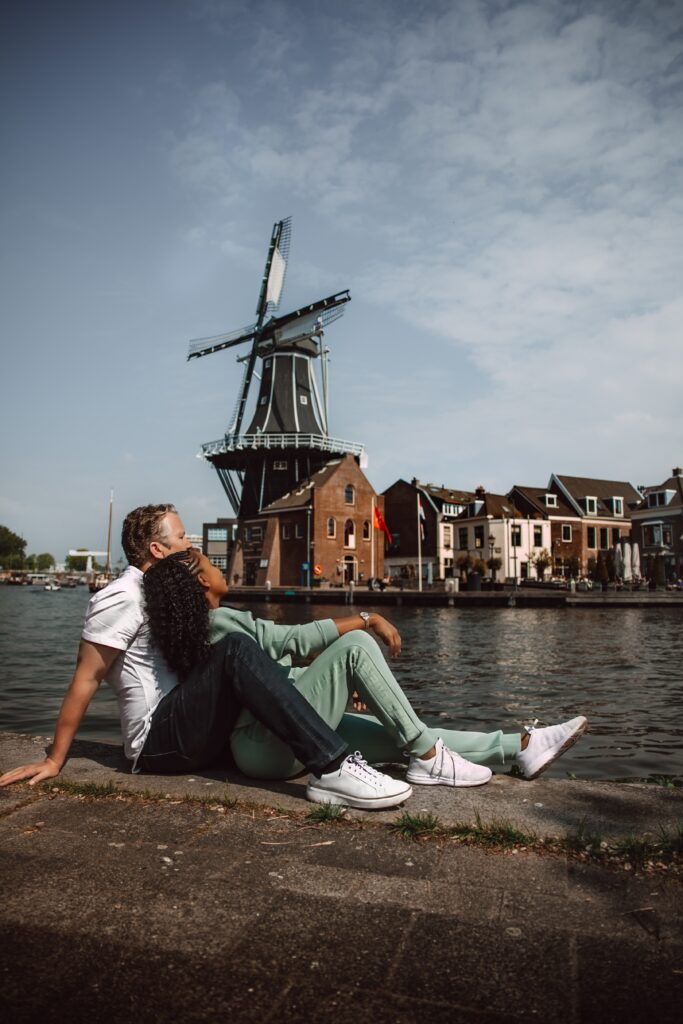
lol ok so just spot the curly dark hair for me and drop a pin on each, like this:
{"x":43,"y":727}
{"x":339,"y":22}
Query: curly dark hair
{"x":177,"y":611}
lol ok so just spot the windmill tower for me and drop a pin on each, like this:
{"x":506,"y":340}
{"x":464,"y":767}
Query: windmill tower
{"x":288,"y":438}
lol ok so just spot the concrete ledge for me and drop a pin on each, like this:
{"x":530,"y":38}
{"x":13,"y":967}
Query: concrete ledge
{"x":554,"y":807}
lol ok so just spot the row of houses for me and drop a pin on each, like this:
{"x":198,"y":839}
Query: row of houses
{"x":334,"y":528}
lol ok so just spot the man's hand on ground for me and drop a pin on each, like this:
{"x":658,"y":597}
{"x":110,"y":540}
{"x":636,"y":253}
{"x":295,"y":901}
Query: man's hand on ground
{"x":39,"y":771}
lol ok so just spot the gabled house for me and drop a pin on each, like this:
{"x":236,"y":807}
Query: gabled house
{"x":421,"y":519}
{"x":492,"y":526}
{"x":322,"y":530}
{"x":603,"y":509}
{"x":658,"y":526}
{"x":565,"y":544}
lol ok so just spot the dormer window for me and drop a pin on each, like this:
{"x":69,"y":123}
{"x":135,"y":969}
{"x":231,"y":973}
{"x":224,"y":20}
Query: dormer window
{"x":591,"y":506}
{"x":618,"y":506}
{"x":474,"y":508}
{"x":551,"y":501}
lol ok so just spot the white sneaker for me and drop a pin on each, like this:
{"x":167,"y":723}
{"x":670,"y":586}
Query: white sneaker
{"x":546,"y":745}
{"x":446,"y":768}
{"x":356,"y":784}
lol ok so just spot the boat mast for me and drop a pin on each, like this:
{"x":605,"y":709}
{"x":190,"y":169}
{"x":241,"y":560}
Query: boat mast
{"x":107,"y":567}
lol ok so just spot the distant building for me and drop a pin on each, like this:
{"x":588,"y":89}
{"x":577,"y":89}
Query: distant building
{"x":658,"y":526}
{"x":217,"y":541}
{"x":196,"y":540}
{"x":321,"y":531}
{"x":492,"y":527}
{"x":439,"y":507}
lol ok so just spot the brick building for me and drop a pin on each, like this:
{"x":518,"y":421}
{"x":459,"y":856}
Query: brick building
{"x":326,"y":523}
{"x":658,"y":527}
{"x":587,"y":517}
{"x":217,"y":541}
{"x":440,"y":506}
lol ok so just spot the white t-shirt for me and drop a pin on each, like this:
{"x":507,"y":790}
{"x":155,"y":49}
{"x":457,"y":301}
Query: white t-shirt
{"x":139,"y":676}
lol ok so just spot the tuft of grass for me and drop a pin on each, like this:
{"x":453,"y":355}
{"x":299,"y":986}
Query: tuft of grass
{"x":671,"y":842}
{"x":416,"y":826}
{"x":326,"y":813}
{"x":495,"y":833}
{"x":94,"y":789}
{"x":637,"y":850}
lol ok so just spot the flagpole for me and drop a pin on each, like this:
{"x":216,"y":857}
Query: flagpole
{"x":419,"y":545}
{"x":372,"y":539}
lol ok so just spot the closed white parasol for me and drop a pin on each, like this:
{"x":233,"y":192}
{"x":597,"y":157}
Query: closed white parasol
{"x":627,"y":571}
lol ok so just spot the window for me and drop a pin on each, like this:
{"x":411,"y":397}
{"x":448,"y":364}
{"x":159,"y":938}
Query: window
{"x":604,"y":538}
{"x":616,"y":534}
{"x":618,"y":506}
{"x":263,"y":399}
{"x":590,"y":537}
{"x":591,"y":506}
{"x":349,"y":494}
{"x":349,"y":534}
{"x":448,"y":536}
{"x":538,"y":536}
{"x":217,"y":533}
{"x":366,"y":530}
{"x":478,"y":536}
{"x":286,"y":531}
{"x":551,"y":501}
{"x":667,"y":535}
{"x":462,"y":538}
{"x":303,"y":399}
{"x":299,"y":531}
{"x":280,"y":464}
{"x":331,"y":527}
{"x":516,"y":536}
{"x":653,"y":535}
{"x":267,"y":362}
{"x":220,"y":561}
{"x":566,"y":533}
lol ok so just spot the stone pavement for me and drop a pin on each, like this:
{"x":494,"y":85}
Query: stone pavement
{"x":156,"y":908}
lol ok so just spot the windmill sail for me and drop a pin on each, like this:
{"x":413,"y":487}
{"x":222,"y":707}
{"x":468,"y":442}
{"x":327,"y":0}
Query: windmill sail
{"x":276,"y":279}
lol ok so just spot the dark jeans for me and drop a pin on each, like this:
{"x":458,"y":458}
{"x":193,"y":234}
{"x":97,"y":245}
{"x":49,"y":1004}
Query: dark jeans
{"x":191,"y":725}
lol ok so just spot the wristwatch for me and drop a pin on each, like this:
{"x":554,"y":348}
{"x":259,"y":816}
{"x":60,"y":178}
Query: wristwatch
{"x":365,"y":616}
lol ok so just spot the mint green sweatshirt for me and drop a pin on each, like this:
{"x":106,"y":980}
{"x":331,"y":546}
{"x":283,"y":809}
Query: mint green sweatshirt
{"x":280,"y":642}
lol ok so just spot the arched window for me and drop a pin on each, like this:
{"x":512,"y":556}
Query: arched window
{"x":350,"y":495}
{"x":366,"y":530}
{"x":331,"y":527}
{"x":349,"y":534}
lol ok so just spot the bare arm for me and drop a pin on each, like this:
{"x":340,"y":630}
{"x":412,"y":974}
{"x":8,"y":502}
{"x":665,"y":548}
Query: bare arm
{"x":94,"y":660}
{"x":380,"y":626}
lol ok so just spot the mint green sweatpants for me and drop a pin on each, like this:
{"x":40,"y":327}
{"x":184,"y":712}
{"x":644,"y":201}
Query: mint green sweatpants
{"x":355,"y":662}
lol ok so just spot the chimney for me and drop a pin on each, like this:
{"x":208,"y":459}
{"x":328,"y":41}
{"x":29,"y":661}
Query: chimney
{"x":480,"y":492}
{"x":677,"y":471}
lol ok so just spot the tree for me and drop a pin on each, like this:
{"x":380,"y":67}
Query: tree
{"x":601,"y":574}
{"x":464,"y":563}
{"x":610,"y":565}
{"x":494,"y":563}
{"x":45,"y":561}
{"x":77,"y":563}
{"x":572,"y":566}
{"x":542,"y":560}
{"x":479,"y":565}
{"x":12,"y":549}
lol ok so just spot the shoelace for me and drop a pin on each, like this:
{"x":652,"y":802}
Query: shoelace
{"x":530,"y":728}
{"x":358,"y":761}
{"x":437,"y":767}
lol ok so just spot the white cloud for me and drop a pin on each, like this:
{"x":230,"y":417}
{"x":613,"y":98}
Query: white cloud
{"x":509,"y":178}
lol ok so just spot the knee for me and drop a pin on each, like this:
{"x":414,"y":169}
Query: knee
{"x":358,"y":641}
{"x":237,"y":646}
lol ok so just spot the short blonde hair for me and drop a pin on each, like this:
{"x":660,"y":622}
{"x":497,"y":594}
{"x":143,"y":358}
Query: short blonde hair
{"x":140,"y":528}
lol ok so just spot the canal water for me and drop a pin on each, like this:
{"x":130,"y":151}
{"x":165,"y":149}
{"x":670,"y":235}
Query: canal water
{"x":465,"y":668}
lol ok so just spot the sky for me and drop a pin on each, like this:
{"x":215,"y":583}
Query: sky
{"x":497,"y":183}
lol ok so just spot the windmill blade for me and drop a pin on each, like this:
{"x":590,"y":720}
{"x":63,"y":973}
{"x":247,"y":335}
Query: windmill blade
{"x":246,"y":381}
{"x":326,"y":310}
{"x":205,"y":346}
{"x":275,"y":269}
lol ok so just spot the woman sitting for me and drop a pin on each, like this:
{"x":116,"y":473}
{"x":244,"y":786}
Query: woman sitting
{"x":183,"y":594}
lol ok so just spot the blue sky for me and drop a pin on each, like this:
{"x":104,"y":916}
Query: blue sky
{"x":499,"y":185}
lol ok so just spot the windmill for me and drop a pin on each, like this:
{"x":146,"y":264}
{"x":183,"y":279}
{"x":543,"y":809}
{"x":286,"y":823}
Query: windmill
{"x":288,"y":438}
